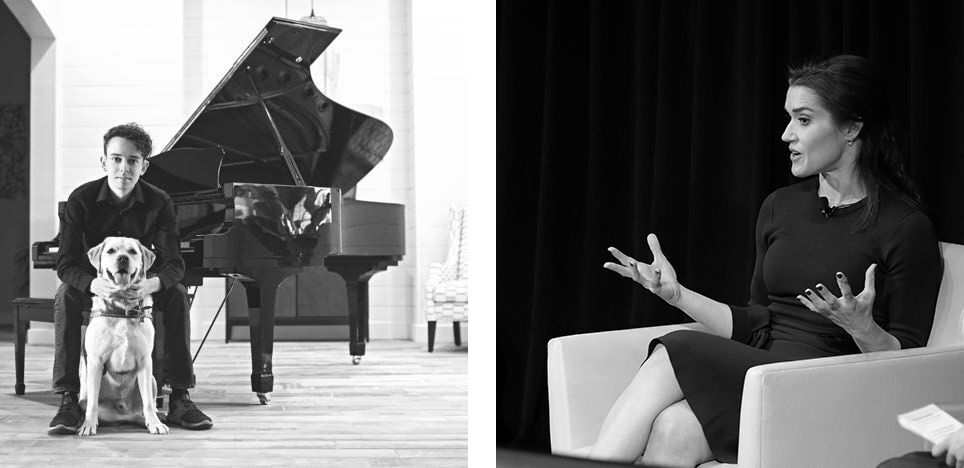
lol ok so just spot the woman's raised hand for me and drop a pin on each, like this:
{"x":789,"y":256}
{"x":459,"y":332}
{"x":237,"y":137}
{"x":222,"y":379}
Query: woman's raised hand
{"x":658,"y":277}
{"x":852,"y":313}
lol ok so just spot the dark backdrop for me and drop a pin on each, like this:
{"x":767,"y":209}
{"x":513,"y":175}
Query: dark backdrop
{"x":14,"y":163}
{"x":620,"y":118}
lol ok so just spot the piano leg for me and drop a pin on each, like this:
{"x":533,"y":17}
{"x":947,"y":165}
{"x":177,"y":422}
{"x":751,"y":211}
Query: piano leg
{"x":356,"y":341}
{"x":262,"y":294}
{"x":363,"y":309}
{"x":356,"y":271}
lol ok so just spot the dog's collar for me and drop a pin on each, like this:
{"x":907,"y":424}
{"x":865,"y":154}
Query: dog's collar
{"x":138,"y":312}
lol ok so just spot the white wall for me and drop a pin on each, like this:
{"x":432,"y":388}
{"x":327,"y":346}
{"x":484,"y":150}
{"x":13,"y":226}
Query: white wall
{"x":154,"y":61}
{"x":441,"y":67}
{"x":117,"y":61}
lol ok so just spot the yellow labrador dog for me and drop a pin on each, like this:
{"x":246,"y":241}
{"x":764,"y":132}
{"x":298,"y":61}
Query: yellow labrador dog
{"x":116,"y":375}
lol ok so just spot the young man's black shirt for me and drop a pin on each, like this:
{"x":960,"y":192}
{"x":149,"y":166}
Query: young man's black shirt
{"x":92,"y":215}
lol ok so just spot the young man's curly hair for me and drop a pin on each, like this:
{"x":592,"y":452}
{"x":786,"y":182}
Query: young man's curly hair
{"x":133,"y":132}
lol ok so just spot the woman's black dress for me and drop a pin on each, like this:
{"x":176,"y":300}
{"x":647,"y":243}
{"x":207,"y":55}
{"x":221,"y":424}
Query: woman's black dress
{"x":797,"y":246}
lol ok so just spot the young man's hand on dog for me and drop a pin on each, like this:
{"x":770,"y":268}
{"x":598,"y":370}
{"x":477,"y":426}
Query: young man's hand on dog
{"x":101,"y":287}
{"x":139,"y":291}
{"x":135,"y":292}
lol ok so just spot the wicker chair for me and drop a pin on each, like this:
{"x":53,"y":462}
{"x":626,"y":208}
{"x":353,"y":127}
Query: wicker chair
{"x":447,"y":288}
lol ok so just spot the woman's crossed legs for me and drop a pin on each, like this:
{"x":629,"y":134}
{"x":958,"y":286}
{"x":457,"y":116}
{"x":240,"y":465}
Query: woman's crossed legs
{"x":652,"y":416}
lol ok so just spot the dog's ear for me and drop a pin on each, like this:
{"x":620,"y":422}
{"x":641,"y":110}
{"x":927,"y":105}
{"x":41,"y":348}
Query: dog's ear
{"x":148,"y":258}
{"x":94,"y":255}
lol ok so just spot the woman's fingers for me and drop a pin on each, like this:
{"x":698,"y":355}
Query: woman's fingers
{"x":654,"y":246}
{"x":827,"y":296}
{"x":869,"y":281}
{"x":846,"y":309}
{"x":634,"y":270}
{"x":643,"y":273}
{"x":623,"y":258}
{"x":815,"y":305}
{"x":639,"y":272}
{"x":629,"y":263}
{"x":622,"y":270}
{"x":808,"y":304}
{"x":818,"y":301}
{"x":845,"y":291}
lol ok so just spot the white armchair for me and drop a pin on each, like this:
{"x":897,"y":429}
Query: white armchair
{"x":447,"y":288}
{"x":830,"y":412}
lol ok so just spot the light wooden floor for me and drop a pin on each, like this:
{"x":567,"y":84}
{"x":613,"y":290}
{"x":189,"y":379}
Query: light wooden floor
{"x":402,"y":406}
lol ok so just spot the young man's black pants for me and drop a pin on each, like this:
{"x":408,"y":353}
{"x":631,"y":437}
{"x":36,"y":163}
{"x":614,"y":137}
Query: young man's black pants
{"x":69,"y":306}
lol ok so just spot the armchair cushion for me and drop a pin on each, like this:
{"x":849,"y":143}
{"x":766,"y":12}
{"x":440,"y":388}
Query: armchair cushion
{"x":455,"y":291}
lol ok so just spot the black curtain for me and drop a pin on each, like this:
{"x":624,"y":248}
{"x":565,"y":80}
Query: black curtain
{"x":620,"y":118}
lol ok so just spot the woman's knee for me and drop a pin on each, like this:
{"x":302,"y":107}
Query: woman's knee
{"x":670,"y":422}
{"x":677,"y":436}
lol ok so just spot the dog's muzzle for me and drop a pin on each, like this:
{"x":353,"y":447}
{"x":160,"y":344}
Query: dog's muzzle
{"x":120,"y":271}
{"x":123,"y":268}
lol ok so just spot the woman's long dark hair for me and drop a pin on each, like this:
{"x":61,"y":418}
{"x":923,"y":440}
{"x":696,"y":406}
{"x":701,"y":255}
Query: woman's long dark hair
{"x":852,"y":90}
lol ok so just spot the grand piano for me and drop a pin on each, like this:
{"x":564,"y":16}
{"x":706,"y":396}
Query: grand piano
{"x":262,"y":177}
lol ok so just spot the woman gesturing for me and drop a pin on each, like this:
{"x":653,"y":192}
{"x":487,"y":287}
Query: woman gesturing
{"x":856,"y":215}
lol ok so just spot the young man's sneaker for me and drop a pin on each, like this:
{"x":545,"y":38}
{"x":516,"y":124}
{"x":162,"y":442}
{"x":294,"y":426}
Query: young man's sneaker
{"x":68,"y":417}
{"x":183,"y":412}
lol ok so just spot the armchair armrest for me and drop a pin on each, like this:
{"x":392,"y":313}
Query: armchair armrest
{"x":842,"y":411}
{"x":434,"y":278}
{"x":587,"y":373}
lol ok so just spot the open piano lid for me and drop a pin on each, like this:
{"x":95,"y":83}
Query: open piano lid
{"x":270,"y":87}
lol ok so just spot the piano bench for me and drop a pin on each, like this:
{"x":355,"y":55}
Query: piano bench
{"x":27,"y":309}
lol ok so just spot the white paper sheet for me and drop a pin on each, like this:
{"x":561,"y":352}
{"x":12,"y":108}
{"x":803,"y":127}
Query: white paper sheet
{"x":929,"y":422}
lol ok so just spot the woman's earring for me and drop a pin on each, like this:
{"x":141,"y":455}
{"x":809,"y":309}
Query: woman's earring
{"x":850,"y":142}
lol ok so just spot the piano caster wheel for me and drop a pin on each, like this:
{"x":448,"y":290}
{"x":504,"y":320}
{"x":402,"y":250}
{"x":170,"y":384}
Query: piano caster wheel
{"x":355,"y":360}
{"x":263,"y":398}
{"x":159,"y":402}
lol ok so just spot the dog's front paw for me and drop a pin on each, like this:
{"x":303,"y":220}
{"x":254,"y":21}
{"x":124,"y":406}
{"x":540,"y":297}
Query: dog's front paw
{"x":88,"y":428}
{"x":158,"y":428}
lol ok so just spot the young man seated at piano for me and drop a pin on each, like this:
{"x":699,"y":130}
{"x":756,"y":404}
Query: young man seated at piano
{"x":121,"y":205}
